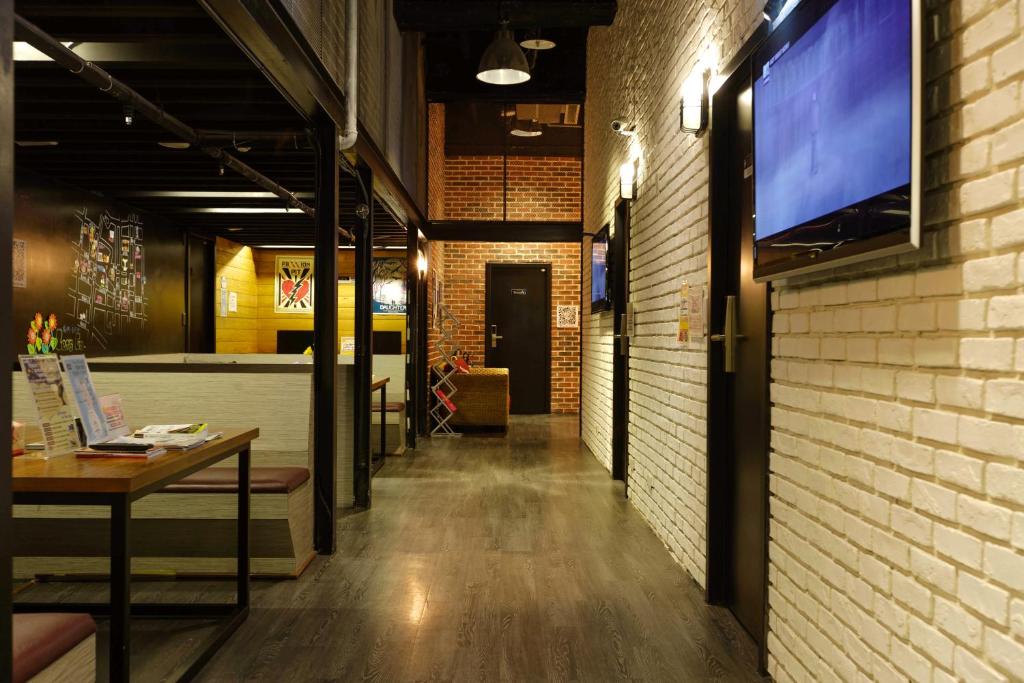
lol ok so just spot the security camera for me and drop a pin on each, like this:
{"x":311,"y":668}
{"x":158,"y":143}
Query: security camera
{"x":621,"y":127}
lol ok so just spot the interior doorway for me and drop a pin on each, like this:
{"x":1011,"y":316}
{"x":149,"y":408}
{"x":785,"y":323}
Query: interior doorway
{"x":618,"y":266}
{"x":738,"y":372}
{"x":201,"y":276}
{"x":517,"y":332}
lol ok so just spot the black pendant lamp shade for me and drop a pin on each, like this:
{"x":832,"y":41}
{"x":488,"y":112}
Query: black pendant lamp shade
{"x":503,"y":62}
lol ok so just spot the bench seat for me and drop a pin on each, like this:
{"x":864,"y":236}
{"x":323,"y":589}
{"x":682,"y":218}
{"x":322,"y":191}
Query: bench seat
{"x":54,"y":647}
{"x":225,"y":480}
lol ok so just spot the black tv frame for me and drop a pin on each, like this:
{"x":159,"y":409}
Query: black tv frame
{"x":810,"y":252}
{"x":602,"y":306}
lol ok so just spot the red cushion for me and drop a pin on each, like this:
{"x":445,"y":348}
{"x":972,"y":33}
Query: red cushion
{"x":225,"y":480}
{"x":42,"y":639}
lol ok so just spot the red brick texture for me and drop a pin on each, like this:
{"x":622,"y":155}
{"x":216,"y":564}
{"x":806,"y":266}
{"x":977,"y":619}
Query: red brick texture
{"x":435,"y":163}
{"x":465,"y":276}
{"x":539,"y":188}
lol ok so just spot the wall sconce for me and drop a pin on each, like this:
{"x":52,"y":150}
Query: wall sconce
{"x":627,"y":180}
{"x":694,"y":104}
{"x":421,"y":262}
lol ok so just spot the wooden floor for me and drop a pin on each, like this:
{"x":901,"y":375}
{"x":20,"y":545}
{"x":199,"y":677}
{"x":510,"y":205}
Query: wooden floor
{"x":484,"y":558}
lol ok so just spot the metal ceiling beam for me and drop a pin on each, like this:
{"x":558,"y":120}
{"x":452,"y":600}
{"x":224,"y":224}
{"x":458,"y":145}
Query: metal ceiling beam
{"x":504,"y":231}
{"x":265,"y":31}
{"x":123,"y":93}
{"x":473,"y":15}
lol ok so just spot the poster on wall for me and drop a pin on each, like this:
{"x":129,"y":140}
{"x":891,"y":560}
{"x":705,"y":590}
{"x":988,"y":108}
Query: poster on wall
{"x":19,"y":263}
{"x":568,"y":316}
{"x":389,"y":275}
{"x":684,"y":314}
{"x":691,"y":313}
{"x":56,"y":418}
{"x":293,"y":284}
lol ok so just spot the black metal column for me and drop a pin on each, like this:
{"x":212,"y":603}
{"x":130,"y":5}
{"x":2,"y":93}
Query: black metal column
{"x":423,"y":325}
{"x":325,"y":338}
{"x":412,"y":339}
{"x":6,"y":350}
{"x":364,"y":336}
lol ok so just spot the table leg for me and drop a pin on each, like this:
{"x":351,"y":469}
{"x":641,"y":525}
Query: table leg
{"x":120,"y":588}
{"x":244,"y":493}
{"x":383,"y":420}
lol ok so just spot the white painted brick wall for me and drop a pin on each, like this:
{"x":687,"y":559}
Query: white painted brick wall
{"x":897,"y":466}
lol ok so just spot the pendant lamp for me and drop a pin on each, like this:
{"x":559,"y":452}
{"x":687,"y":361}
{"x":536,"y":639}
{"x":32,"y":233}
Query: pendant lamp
{"x":503,"y":62}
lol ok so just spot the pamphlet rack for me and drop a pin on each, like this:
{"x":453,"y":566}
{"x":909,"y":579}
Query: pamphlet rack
{"x":442,"y":388}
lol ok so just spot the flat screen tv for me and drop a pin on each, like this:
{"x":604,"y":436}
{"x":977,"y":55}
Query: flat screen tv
{"x":837,"y":136}
{"x":600,"y":273}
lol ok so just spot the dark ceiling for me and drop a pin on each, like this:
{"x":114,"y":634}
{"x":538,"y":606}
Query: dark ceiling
{"x":458,"y":32}
{"x":175,"y":55}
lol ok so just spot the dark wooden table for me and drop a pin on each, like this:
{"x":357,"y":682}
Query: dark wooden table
{"x":381,"y":383}
{"x":117,"y":483}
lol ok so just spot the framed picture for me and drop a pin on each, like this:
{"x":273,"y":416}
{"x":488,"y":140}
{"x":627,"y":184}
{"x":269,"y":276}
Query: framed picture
{"x":389,"y":286}
{"x":293,"y":284}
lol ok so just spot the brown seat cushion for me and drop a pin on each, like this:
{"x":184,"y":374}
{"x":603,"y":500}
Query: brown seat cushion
{"x":225,"y":480}
{"x":42,"y":639}
{"x":390,"y":407}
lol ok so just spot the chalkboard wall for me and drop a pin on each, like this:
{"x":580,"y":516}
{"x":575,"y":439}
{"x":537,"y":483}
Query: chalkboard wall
{"x":93,"y":276}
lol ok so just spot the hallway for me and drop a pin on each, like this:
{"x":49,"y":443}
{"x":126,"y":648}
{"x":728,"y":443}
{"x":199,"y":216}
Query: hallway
{"x":489,"y":558}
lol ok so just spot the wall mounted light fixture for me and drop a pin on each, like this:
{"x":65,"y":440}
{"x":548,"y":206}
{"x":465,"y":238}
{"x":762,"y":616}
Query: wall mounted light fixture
{"x":695,"y":104}
{"x":627,"y":180}
{"x":421,"y":262}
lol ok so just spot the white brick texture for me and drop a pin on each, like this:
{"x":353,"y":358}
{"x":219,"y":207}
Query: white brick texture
{"x":897,"y":467}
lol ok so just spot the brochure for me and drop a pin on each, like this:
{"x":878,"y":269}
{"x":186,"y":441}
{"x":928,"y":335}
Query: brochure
{"x":90,"y":408}
{"x":117,"y":425}
{"x":56,"y":418}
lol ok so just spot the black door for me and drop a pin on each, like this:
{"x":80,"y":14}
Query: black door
{"x":619,"y":281}
{"x":201,"y":274}
{"x":517,"y":335}
{"x":738,"y":361}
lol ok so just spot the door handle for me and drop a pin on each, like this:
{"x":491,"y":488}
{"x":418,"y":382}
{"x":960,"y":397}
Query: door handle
{"x":729,"y":336}
{"x":623,"y":335}
{"x":495,"y":337}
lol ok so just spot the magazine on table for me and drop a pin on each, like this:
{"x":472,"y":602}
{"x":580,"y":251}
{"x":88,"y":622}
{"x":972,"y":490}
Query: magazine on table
{"x":176,"y":437}
{"x":126,"y":453}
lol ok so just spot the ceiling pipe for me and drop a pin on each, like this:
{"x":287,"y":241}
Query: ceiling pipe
{"x":350,"y":132}
{"x":100,"y":78}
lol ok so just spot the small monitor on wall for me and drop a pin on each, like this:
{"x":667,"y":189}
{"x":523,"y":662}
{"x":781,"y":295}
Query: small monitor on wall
{"x":600,"y":273}
{"x":837,"y":136}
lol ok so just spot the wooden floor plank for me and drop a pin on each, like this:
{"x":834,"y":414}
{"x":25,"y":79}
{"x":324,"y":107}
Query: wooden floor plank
{"x":484,"y":558}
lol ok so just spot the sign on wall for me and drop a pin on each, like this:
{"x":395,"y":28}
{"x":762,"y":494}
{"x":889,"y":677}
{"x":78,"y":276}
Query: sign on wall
{"x":293,"y":284}
{"x":389,"y":276}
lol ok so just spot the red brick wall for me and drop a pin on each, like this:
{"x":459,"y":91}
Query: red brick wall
{"x":465,"y":274}
{"x":539,"y":188}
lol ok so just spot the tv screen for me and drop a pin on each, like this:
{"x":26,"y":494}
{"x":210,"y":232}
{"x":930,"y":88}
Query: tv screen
{"x":600,"y":299}
{"x":836,"y":135}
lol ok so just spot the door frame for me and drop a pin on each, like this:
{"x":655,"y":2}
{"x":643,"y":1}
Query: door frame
{"x":210,"y":279}
{"x":491,"y":266}
{"x":620,"y":355}
{"x":720,"y":248}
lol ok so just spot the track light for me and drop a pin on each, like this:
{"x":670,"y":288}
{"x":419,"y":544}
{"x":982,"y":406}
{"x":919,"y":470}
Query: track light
{"x":220,"y":169}
{"x":129,"y":114}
